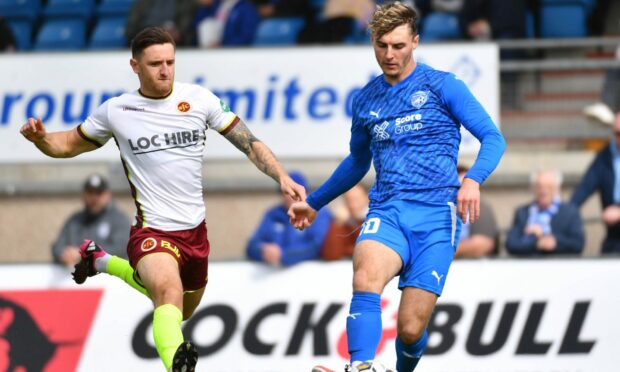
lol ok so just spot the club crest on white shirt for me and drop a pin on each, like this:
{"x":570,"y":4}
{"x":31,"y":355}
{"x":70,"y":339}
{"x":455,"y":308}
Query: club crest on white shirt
{"x":419,"y":98}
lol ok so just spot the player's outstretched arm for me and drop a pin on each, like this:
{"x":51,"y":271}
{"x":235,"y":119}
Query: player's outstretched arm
{"x":264,"y":159}
{"x":66,"y":144}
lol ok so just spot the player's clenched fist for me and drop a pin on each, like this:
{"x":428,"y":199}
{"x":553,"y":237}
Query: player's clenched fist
{"x":33,"y":130}
{"x":301,"y":215}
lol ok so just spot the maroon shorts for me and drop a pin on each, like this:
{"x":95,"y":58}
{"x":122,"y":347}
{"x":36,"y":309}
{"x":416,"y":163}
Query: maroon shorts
{"x":189,"y":247}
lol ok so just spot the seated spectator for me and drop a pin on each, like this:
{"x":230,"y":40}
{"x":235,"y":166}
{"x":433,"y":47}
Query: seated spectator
{"x":341,"y":19}
{"x":344,"y":229}
{"x":7,"y":39}
{"x":276,"y":242}
{"x":176,"y":16}
{"x":481,"y":238}
{"x":100,"y":220}
{"x":603,"y":176}
{"x":234,"y":23}
{"x":494,"y":19}
{"x":547,"y":225}
{"x":426,"y":7}
{"x":285,"y":8}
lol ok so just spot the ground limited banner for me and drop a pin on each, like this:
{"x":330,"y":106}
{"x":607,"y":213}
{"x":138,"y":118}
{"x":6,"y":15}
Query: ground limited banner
{"x":494,"y":316}
{"x":297,"y":100}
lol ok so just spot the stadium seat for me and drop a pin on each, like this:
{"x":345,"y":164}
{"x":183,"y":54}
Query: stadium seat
{"x":278,"y":31}
{"x":440,"y":26}
{"x":61,"y":34}
{"x":20,"y":9}
{"x":114,"y":7}
{"x":109,"y":33}
{"x":564,"y":18}
{"x":22,"y":30}
{"x":530,"y":25}
{"x":69,"y":8}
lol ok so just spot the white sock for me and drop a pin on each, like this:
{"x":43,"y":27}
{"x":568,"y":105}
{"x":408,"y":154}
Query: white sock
{"x":101,"y":263}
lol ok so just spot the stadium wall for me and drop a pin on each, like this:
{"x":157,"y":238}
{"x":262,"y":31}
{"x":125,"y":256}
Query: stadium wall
{"x":494,"y":316}
{"x":29,"y":224}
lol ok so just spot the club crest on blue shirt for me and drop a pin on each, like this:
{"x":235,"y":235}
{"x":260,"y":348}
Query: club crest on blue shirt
{"x":419,"y":98}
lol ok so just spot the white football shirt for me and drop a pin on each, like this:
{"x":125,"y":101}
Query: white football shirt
{"x":161,"y":142}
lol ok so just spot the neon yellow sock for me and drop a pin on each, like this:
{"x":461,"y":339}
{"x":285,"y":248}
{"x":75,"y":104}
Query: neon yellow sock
{"x":167,"y":332}
{"x":120,"y":268}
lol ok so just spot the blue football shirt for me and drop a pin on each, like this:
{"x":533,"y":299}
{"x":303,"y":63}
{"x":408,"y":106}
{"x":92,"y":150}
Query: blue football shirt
{"x":411,"y":133}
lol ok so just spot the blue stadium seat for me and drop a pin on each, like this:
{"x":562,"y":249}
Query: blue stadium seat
{"x":22,"y":30}
{"x":563,"y":18}
{"x":61,"y":34}
{"x":109,"y":33}
{"x":69,"y":8}
{"x":530,"y":25}
{"x":278,"y":31}
{"x":20,"y":9}
{"x":114,"y":7}
{"x":440,"y":26}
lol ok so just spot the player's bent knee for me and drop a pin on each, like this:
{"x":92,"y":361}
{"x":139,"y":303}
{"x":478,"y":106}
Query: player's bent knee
{"x":167,"y":295}
{"x":361,"y":281}
{"x":411,"y":332}
{"x":366,"y":281}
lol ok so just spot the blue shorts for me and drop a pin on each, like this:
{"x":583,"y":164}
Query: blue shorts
{"x":425,"y":235}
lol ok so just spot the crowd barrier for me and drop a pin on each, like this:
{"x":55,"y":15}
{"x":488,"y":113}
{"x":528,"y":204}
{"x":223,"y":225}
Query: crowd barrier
{"x":494,"y":316}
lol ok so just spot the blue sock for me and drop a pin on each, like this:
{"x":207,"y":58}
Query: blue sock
{"x":408,"y":356}
{"x":364,"y":325}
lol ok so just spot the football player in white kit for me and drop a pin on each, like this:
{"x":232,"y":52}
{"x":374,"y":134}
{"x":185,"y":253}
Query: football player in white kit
{"x":160,"y":130}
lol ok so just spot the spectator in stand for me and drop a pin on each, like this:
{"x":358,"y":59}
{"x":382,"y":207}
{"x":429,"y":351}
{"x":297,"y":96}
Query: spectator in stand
{"x":448,"y":6}
{"x":345,"y":227}
{"x":603,"y":176}
{"x":494,"y":19}
{"x":7,"y":39}
{"x":500,"y":19}
{"x":277,"y":243}
{"x":226,"y":23}
{"x":479,"y":239}
{"x":100,"y":220}
{"x":285,"y":8}
{"x":597,"y":19}
{"x":176,"y":16}
{"x":341,"y":20}
{"x":547,"y":225}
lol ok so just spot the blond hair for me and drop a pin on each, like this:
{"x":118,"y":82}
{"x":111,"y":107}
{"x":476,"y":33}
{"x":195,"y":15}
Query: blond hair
{"x":391,"y":15}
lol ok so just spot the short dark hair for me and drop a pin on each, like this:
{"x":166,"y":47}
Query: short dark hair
{"x":150,"y":36}
{"x":391,"y":15}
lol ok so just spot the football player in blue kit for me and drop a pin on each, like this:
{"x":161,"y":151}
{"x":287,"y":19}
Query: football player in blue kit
{"x":407,"y":122}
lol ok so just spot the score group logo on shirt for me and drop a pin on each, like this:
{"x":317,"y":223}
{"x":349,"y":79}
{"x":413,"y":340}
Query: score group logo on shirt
{"x":45,"y":330}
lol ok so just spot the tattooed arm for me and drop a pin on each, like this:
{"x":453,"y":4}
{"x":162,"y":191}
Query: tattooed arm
{"x":264,"y":159}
